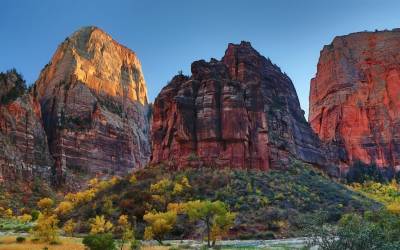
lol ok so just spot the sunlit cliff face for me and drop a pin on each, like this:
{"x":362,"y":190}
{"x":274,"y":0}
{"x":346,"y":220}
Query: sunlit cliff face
{"x":93,"y":95}
{"x":355,"y":96}
{"x":92,"y":57}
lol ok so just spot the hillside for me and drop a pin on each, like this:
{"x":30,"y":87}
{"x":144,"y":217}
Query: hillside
{"x":268,"y":204}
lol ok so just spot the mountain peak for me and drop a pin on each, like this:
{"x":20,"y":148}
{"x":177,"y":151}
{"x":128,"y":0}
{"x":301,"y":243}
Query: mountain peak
{"x":92,"y":57}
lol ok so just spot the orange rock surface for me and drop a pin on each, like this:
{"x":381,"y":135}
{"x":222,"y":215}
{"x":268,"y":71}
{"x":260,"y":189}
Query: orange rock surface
{"x":355,"y":97}
{"x":94,"y":104}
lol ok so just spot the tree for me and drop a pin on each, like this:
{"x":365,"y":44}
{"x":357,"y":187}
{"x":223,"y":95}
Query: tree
{"x":215,"y":216}
{"x":222,"y":224}
{"x":99,"y":242}
{"x":69,"y":227}
{"x":6,"y":213}
{"x":46,"y":228}
{"x":64,"y":207}
{"x":374,"y":230}
{"x":159,"y":224}
{"x":133,"y":179}
{"x":165,"y":190}
{"x":25,"y":218}
{"x":45,"y":204}
{"x":125,"y":227}
{"x":100,"y":225}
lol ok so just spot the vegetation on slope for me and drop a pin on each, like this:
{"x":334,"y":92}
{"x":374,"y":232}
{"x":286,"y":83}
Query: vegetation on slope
{"x":268,"y":204}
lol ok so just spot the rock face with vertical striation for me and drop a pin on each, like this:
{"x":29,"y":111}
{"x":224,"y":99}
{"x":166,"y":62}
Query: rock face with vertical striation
{"x":94,"y":104}
{"x":240,"y":112}
{"x":355,"y":97}
{"x":24,"y":154}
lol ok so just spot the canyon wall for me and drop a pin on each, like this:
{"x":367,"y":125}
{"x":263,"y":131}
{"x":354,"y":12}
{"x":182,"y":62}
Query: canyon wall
{"x":241,"y":111}
{"x":94,"y":104}
{"x":355,"y":97}
{"x":24,"y":153}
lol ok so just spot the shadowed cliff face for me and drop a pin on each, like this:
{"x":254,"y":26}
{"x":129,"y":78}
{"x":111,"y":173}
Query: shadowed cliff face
{"x":24,"y":153}
{"x":241,"y":111}
{"x":94,"y":104}
{"x":355,"y":97}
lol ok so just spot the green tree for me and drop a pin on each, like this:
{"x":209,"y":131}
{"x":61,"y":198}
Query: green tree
{"x":99,"y":242}
{"x":376,"y":230}
{"x":215,"y":216}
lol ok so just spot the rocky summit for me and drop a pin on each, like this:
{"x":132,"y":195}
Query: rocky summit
{"x":94,"y":104}
{"x":355,"y":97}
{"x":24,"y":153}
{"x":240,"y":111}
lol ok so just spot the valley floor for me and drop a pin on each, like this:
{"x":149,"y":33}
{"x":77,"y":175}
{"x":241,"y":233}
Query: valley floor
{"x":8,"y":242}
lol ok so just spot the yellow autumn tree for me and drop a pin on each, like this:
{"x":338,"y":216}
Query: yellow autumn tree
{"x":133,"y":179}
{"x":165,"y":190}
{"x":25,"y":218}
{"x":46,"y":228}
{"x":45,"y":204}
{"x":6,"y":213}
{"x":159,"y":224}
{"x":100,"y":225}
{"x":69,"y":227}
{"x":125,"y":227}
{"x":64,"y":207}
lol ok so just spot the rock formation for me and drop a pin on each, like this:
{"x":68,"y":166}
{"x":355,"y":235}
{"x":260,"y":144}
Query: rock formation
{"x":355,"y":97}
{"x":94,"y":105}
{"x":23,"y":144}
{"x":240,"y":112}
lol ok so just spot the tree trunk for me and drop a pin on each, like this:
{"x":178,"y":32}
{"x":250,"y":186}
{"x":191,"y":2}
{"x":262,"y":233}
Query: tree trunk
{"x":208,"y":232}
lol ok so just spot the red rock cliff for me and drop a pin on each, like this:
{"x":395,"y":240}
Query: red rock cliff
{"x":94,"y":105}
{"x":241,"y":111}
{"x":355,"y":97}
{"x":24,"y":153}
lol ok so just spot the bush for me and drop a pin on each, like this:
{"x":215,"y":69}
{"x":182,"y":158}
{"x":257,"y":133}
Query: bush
{"x":374,"y":230}
{"x":136,"y":245}
{"x":99,"y":242}
{"x":17,"y":90}
{"x":20,"y":239}
{"x":361,"y":172}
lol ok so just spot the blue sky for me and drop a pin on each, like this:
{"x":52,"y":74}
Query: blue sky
{"x":168,"y":35}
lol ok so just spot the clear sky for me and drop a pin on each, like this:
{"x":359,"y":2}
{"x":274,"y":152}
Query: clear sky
{"x":168,"y":35}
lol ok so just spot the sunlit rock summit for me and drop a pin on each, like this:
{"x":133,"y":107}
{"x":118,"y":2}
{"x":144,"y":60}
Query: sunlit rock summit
{"x":94,"y":105}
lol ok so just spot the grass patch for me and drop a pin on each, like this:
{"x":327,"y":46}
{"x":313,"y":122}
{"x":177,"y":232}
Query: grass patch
{"x":10,"y":243}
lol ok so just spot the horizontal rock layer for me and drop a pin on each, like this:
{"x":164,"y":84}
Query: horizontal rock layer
{"x":241,"y":111}
{"x":24,"y":153}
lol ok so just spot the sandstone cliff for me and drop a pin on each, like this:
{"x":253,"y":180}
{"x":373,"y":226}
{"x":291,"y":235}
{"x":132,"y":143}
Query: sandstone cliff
{"x":94,"y":104}
{"x":241,"y":111}
{"x":355,"y":97}
{"x":23,"y":144}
